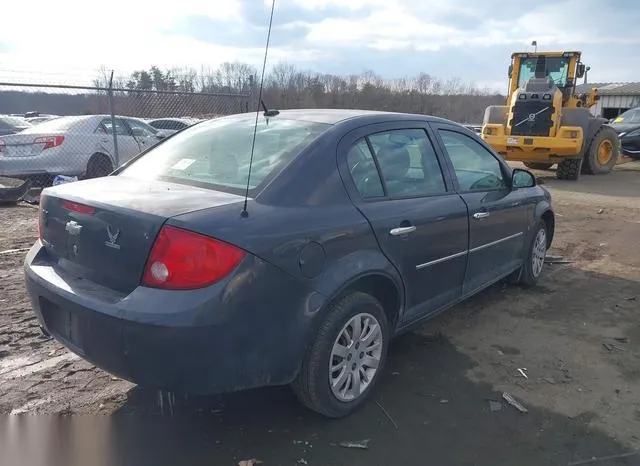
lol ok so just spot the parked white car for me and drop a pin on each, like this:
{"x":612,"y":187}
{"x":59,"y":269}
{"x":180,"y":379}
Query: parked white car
{"x":81,"y":146}
{"x":172,"y":125}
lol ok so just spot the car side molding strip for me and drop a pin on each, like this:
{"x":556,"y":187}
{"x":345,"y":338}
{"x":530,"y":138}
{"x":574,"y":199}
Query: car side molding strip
{"x":493,"y":243}
{"x":469,"y":251}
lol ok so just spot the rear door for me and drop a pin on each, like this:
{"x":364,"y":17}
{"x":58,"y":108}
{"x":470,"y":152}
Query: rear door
{"x":497,"y":214}
{"x":128,"y":147}
{"x":394,"y":178}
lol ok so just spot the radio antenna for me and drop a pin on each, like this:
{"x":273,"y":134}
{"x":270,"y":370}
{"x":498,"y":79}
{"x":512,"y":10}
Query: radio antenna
{"x":244,"y":212}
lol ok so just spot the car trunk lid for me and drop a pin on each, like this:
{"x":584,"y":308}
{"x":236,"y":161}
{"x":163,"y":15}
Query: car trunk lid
{"x":103,"y":229}
{"x":28,"y":145}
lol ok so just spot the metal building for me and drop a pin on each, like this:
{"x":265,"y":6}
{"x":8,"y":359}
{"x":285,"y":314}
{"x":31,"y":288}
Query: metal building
{"x":615,"y":98}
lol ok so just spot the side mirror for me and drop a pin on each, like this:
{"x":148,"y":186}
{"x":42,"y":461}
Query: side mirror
{"x":580,"y":69}
{"x":522,"y":179}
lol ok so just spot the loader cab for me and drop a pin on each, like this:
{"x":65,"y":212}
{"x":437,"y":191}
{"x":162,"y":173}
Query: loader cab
{"x":561,"y":68}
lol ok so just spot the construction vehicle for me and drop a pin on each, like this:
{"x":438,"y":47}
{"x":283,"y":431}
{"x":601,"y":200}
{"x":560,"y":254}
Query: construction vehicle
{"x":544,"y":122}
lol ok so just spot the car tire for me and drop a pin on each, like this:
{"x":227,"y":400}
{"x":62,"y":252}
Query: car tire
{"x":99,"y":165}
{"x":334,"y":393}
{"x":533,"y":265}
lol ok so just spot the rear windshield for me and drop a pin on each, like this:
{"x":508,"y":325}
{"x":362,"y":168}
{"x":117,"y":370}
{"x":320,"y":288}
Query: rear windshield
{"x":216,"y":154}
{"x":56,"y":125}
{"x":16,"y":122}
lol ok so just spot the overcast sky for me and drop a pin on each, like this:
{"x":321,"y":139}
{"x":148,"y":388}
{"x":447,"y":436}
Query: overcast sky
{"x":469,"y":39}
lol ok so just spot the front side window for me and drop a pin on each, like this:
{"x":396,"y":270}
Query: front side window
{"x":140,"y":129}
{"x":216,"y":154}
{"x":475,"y":167}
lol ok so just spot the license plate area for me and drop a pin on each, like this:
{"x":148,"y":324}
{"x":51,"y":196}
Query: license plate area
{"x":62,"y":323}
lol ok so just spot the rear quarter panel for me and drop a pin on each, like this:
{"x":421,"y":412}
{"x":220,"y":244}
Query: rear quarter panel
{"x":305,"y":225}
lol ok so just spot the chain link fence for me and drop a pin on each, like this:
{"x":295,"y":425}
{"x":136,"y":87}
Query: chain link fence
{"x":51,"y":132}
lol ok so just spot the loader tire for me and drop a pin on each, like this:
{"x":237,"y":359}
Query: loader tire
{"x":538,"y":165}
{"x":602,"y":154}
{"x":569,"y":169}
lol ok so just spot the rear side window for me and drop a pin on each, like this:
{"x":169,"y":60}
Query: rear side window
{"x":107,"y":128}
{"x":364,"y":171}
{"x":407,"y":162}
{"x":216,"y":154}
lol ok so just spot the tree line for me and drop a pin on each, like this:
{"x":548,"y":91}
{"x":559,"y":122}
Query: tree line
{"x":233,"y":88}
{"x":287,"y":86}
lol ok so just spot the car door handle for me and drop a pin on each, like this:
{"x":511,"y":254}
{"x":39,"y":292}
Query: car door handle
{"x":402,"y":230}
{"x":479,"y":215}
{"x":104,"y":140}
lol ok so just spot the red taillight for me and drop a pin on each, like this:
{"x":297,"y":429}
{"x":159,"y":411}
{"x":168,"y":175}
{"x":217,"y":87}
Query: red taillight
{"x":183,"y":260}
{"x":49,"y":141}
{"x":77,"y":207}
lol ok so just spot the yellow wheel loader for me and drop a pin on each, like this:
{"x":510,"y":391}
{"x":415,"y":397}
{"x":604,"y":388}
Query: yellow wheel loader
{"x":545,"y":123}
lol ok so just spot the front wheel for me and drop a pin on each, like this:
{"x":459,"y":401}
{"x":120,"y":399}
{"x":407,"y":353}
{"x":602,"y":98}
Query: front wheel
{"x":346,"y":358}
{"x":536,"y":253}
{"x":602,"y":155}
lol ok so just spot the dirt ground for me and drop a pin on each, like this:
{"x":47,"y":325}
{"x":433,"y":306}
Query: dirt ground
{"x":576,"y":337}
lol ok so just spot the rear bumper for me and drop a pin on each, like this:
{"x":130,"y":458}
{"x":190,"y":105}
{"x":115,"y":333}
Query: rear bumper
{"x":224,"y":338}
{"x":536,"y":148}
{"x":51,"y":162}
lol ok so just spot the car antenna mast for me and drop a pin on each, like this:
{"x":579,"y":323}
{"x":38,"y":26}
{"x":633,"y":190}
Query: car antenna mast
{"x":244,"y":212}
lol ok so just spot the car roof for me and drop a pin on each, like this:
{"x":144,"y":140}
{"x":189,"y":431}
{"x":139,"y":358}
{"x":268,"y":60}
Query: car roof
{"x":334,"y":115}
{"x":181,"y":119}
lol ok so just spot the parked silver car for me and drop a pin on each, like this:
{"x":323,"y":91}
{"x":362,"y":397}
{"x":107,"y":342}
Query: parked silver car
{"x":173,"y":125}
{"x":80,"y":146}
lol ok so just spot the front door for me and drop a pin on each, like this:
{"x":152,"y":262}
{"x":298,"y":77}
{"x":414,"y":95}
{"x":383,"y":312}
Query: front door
{"x":144,"y":134}
{"x":497,"y":214}
{"x":420,"y":222}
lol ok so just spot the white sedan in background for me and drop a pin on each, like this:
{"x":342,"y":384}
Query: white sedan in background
{"x":81,"y":146}
{"x":172,"y":125}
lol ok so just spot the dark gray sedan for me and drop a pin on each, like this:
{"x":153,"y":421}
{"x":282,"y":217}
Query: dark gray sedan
{"x":358,"y":225}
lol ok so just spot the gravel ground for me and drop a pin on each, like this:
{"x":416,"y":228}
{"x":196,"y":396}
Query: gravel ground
{"x":575,"y":336}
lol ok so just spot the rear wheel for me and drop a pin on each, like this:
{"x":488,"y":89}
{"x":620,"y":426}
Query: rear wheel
{"x":538,"y":165}
{"x":99,"y":165}
{"x":569,"y":169}
{"x":345,"y":361}
{"x":602,"y":154}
